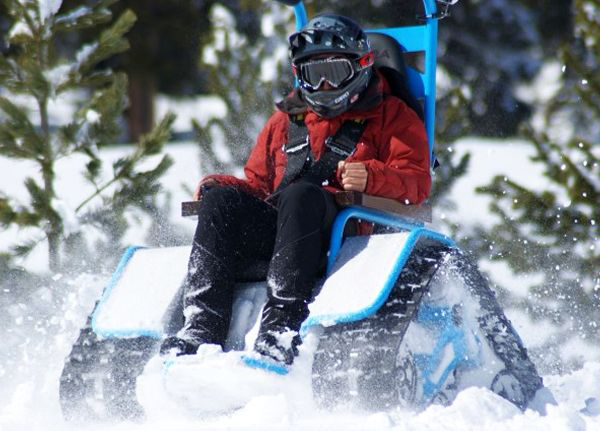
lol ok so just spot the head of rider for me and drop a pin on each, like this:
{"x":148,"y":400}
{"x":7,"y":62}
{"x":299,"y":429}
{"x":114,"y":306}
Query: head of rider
{"x":332,"y":61}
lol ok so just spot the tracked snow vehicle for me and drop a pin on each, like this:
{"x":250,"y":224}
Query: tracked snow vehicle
{"x":417,"y":323}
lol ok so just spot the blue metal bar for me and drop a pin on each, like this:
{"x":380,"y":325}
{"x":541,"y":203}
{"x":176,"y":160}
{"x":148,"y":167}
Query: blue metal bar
{"x":430,"y":7}
{"x":301,"y":18}
{"x":377,"y":217}
{"x":411,"y":38}
{"x":430,"y":74}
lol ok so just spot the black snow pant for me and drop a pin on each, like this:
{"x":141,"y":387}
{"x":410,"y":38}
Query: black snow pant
{"x":235,"y":227}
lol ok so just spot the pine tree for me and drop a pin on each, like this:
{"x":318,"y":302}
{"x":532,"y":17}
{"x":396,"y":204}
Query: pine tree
{"x":34,"y":71}
{"x":554,"y":232}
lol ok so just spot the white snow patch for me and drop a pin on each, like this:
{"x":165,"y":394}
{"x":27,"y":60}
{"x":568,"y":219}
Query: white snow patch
{"x":545,"y":86}
{"x":74,"y":15}
{"x":84,"y":53}
{"x":70,"y":220}
{"x":269,"y":66}
{"x":48,"y":8}
{"x":202,"y":109}
{"x":490,"y":157}
{"x":57,"y":76}
{"x":19,"y":28}
{"x":120,"y":308}
{"x":92,"y":116}
{"x":225,"y":35}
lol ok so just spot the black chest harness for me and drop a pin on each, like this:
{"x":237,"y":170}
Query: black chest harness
{"x":300,"y":162}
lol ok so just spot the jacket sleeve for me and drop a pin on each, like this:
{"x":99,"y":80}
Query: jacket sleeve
{"x":401,"y":170}
{"x":258,"y":168}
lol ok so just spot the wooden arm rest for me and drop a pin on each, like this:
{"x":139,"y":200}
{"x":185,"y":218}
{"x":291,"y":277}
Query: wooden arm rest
{"x":189,"y":208}
{"x":420,"y":213}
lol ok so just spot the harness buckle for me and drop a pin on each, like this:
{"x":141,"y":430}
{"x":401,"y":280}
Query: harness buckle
{"x":340,"y":150}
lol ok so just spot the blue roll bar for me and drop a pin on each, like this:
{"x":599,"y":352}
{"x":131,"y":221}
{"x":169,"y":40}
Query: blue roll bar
{"x":301,"y":18}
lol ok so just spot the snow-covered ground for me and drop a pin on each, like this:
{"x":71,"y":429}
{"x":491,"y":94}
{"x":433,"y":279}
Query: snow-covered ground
{"x":29,"y":391}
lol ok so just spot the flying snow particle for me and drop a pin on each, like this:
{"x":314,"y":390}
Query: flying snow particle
{"x":92,"y":116}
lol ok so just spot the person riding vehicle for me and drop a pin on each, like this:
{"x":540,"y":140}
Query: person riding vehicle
{"x":341,"y":129}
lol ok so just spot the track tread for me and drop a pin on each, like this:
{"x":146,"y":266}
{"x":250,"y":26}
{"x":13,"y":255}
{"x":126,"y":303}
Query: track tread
{"x":99,"y":376}
{"x":357,"y":363}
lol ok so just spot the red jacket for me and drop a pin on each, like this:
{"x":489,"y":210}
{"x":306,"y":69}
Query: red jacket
{"x":393,"y":147}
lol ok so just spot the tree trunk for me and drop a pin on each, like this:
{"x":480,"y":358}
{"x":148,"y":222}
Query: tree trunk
{"x":140,"y":115}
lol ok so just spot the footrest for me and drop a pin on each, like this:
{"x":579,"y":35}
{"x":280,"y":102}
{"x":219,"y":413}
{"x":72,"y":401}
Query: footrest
{"x":262,"y":363}
{"x":361,"y":279}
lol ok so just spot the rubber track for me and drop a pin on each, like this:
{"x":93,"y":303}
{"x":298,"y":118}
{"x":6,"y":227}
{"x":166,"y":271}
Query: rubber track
{"x":355,"y":363}
{"x":99,"y":377}
{"x":499,"y":331}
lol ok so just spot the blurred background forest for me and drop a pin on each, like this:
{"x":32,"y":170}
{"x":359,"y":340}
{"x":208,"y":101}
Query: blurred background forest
{"x":508,"y":69}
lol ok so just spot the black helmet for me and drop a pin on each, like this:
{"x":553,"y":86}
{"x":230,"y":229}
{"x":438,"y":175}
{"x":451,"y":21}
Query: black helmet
{"x":349,"y":75}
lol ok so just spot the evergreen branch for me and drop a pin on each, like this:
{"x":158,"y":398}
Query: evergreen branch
{"x":40,"y":201}
{"x":7,"y":72}
{"x":142,"y":184}
{"x":591,"y":77}
{"x":97,"y":78}
{"x":81,"y":18}
{"x":7,"y":213}
{"x":152,"y":143}
{"x":111,"y":41}
{"x":23,"y":249}
{"x":109,"y":103}
{"x":18,"y":137}
{"x":149,"y":145}
{"x":19,"y":216}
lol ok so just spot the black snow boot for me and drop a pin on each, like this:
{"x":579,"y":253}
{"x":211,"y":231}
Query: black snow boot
{"x":175,"y":346}
{"x":281,"y":347}
{"x":278,"y":337}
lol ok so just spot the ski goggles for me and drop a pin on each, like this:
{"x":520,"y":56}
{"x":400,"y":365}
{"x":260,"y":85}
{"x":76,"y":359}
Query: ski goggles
{"x":335,"y":71}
